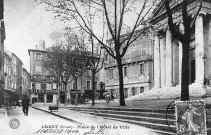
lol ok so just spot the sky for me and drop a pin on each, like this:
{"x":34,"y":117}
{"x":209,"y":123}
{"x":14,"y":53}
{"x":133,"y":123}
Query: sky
{"x":26,"y":23}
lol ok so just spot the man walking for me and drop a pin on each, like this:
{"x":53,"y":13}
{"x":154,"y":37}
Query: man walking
{"x":25,"y":104}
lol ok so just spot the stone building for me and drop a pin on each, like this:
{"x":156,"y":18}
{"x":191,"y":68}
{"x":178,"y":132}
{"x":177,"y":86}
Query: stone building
{"x":7,"y":71}
{"x":43,"y":86}
{"x":168,"y":50}
{"x":84,"y":85}
{"x":137,"y":68}
{"x":25,"y":82}
{"x":2,"y":38}
{"x":16,"y":74}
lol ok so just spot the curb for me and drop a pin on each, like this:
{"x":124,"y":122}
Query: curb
{"x":123,"y":109}
{"x":71,"y":120}
{"x":5,"y":115}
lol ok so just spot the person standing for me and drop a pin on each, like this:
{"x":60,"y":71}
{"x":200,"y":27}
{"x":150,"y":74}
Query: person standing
{"x":25,"y":104}
{"x":20,"y":101}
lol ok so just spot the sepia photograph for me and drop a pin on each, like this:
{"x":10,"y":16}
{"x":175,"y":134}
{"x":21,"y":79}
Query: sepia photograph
{"x":105,"y":67}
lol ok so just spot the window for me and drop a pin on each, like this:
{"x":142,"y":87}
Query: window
{"x":125,"y":71}
{"x":88,"y":72}
{"x":40,"y":97}
{"x":54,"y":86}
{"x":38,"y":69}
{"x":38,"y":86}
{"x":141,"y":89}
{"x":49,"y":87}
{"x":43,"y":86}
{"x":38,"y":56}
{"x":142,"y":68}
{"x":88,"y":85}
{"x":111,"y":73}
{"x":143,"y":52}
{"x":133,"y":91}
{"x":49,"y":98}
{"x":74,"y":85}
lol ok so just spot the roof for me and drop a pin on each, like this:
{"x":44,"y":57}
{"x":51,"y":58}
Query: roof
{"x":17,"y":58}
{"x":36,"y":50}
{"x":136,"y":31}
{"x":7,"y":55}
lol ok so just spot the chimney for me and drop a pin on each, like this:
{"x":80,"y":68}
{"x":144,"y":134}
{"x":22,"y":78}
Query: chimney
{"x":42,"y":45}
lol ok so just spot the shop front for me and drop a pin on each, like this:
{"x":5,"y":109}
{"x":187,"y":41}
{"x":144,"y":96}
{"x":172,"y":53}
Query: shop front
{"x":73,"y":96}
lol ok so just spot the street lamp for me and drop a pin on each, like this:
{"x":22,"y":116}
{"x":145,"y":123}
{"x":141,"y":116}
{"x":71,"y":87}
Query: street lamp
{"x":204,"y":59}
{"x":204,"y":89}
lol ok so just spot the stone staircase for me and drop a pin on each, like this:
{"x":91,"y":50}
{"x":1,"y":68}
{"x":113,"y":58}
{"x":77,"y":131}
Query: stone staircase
{"x":158,"y":120}
{"x":171,"y":92}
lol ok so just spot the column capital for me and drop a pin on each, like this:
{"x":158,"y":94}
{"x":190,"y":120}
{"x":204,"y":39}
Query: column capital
{"x":202,"y":13}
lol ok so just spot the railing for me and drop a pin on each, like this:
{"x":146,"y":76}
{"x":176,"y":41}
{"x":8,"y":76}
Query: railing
{"x":40,"y":77}
{"x":132,"y":79}
{"x":137,"y":58}
{"x":43,"y":91}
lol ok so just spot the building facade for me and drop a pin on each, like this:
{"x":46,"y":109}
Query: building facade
{"x":43,"y":86}
{"x":137,"y":69}
{"x":2,"y":38}
{"x":16,"y":74}
{"x":168,"y":50}
{"x":84,"y":85}
{"x":7,"y":71}
{"x":25,"y":82}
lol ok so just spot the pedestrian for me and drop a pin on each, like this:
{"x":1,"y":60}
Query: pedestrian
{"x":14,"y":104}
{"x":20,"y":102}
{"x":68,"y":101}
{"x":25,"y":104}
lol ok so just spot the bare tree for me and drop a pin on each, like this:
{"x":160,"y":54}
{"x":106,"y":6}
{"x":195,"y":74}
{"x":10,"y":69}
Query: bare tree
{"x":97,"y":61}
{"x":110,"y":14}
{"x":67,"y":61}
{"x":77,"y":61}
{"x":54,"y":65}
{"x":184,"y":38}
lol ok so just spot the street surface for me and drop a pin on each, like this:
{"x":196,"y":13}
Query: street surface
{"x":31,"y":123}
{"x":42,"y":123}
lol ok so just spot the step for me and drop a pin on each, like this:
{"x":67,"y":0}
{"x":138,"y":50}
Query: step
{"x":156,"y":130}
{"x":146,"y":114}
{"x":124,"y":109}
{"x":136,"y":118}
{"x":160,"y":127}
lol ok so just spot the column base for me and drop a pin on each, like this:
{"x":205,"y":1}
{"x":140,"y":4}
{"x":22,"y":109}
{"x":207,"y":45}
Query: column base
{"x":156,"y":87}
{"x":198,"y":83}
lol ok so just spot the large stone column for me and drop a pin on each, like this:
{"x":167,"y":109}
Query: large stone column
{"x":169,"y":76}
{"x":180,"y":63}
{"x":199,"y":50}
{"x":157,"y":62}
{"x":163,"y":61}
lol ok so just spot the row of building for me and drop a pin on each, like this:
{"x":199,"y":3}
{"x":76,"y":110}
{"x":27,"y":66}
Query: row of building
{"x":16,"y":78}
{"x":44,"y":87}
{"x":152,"y":62}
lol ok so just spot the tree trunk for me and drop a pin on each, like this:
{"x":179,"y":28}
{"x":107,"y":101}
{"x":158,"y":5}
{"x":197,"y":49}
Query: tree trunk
{"x":58,"y":98}
{"x":93,"y":87}
{"x":185,"y":71}
{"x":65,"y":87}
{"x":121,"y":82}
{"x":76,"y":91}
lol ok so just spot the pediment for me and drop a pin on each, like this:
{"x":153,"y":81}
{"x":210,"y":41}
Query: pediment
{"x":160,"y":10}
